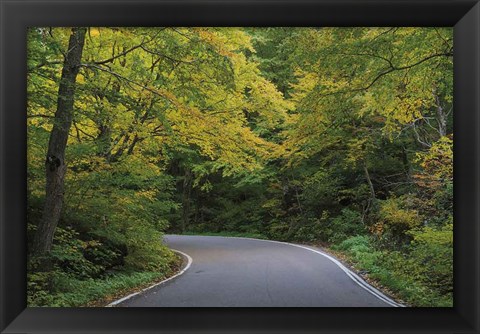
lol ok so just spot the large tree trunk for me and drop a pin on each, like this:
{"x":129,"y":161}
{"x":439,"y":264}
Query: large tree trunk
{"x":55,"y":160}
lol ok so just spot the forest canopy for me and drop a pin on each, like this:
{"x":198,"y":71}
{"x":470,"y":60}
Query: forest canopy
{"x":340,"y":137}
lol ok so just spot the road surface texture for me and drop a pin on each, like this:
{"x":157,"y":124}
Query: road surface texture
{"x":241,"y":272}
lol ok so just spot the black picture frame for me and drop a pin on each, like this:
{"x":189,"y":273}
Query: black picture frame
{"x":17,"y":15}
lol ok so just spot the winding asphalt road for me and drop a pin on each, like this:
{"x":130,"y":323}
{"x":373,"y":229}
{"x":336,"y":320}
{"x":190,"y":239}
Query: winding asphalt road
{"x":241,"y":272}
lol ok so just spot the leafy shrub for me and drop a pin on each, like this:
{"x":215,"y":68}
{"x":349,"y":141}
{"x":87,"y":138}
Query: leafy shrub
{"x":145,"y":251}
{"x":278,"y":230}
{"x":319,"y":190}
{"x":397,"y":215}
{"x":73,"y":292}
{"x":356,"y":243}
{"x":347,"y":224}
{"x":67,"y":255}
{"x":431,"y":257}
{"x":310,"y":233}
{"x":314,"y":230}
{"x":422,"y":276}
{"x":104,"y":253}
{"x":38,"y":288}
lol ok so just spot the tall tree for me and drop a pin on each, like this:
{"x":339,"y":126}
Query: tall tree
{"x":55,"y":166}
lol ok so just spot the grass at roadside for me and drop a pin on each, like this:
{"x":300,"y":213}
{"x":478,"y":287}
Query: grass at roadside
{"x":391,"y":272}
{"x":99,"y":292}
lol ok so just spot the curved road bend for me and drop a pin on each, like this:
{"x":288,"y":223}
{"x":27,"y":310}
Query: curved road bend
{"x":238,"y":272}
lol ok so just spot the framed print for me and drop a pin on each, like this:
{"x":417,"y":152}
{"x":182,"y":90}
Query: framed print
{"x":240,"y":166}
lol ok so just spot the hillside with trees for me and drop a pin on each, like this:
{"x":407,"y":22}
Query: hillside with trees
{"x":338,"y":137}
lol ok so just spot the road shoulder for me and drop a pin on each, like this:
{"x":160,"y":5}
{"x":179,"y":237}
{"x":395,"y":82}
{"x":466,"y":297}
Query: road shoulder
{"x":185,"y":262}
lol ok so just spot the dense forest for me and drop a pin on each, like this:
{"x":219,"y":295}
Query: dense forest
{"x":338,"y":137}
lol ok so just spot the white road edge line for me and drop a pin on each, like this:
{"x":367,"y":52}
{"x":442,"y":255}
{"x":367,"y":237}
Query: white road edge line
{"x":353,"y":276}
{"x":189,"y":263}
{"x":357,"y":279}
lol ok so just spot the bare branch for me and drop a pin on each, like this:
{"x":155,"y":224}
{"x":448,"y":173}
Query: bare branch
{"x":417,"y":136}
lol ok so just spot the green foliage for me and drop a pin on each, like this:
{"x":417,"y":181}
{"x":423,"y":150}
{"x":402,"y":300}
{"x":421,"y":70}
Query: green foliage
{"x":145,"y":251}
{"x":325,"y":135}
{"x":77,"y":272}
{"x":313,"y":231}
{"x":396,"y":216}
{"x":354,"y":244}
{"x":433,"y":249}
{"x":72,"y":292}
{"x":422,"y":277}
{"x":67,"y":254}
{"x":438,"y":160}
{"x":229,"y":234}
{"x":320,"y":190}
{"x":348,"y":223}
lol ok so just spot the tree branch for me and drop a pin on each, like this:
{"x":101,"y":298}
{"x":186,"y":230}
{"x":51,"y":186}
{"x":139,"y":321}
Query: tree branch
{"x":389,"y":70}
{"x":45,"y":63}
{"x":111,"y":59}
{"x":121,"y":77}
{"x":40,"y":115}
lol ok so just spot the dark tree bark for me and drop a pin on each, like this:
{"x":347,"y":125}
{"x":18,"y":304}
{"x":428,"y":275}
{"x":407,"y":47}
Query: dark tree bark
{"x":186,"y":195}
{"x":369,"y":180}
{"x":406,"y":164}
{"x":104,"y":140}
{"x":55,"y":161}
{"x":368,"y":205}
